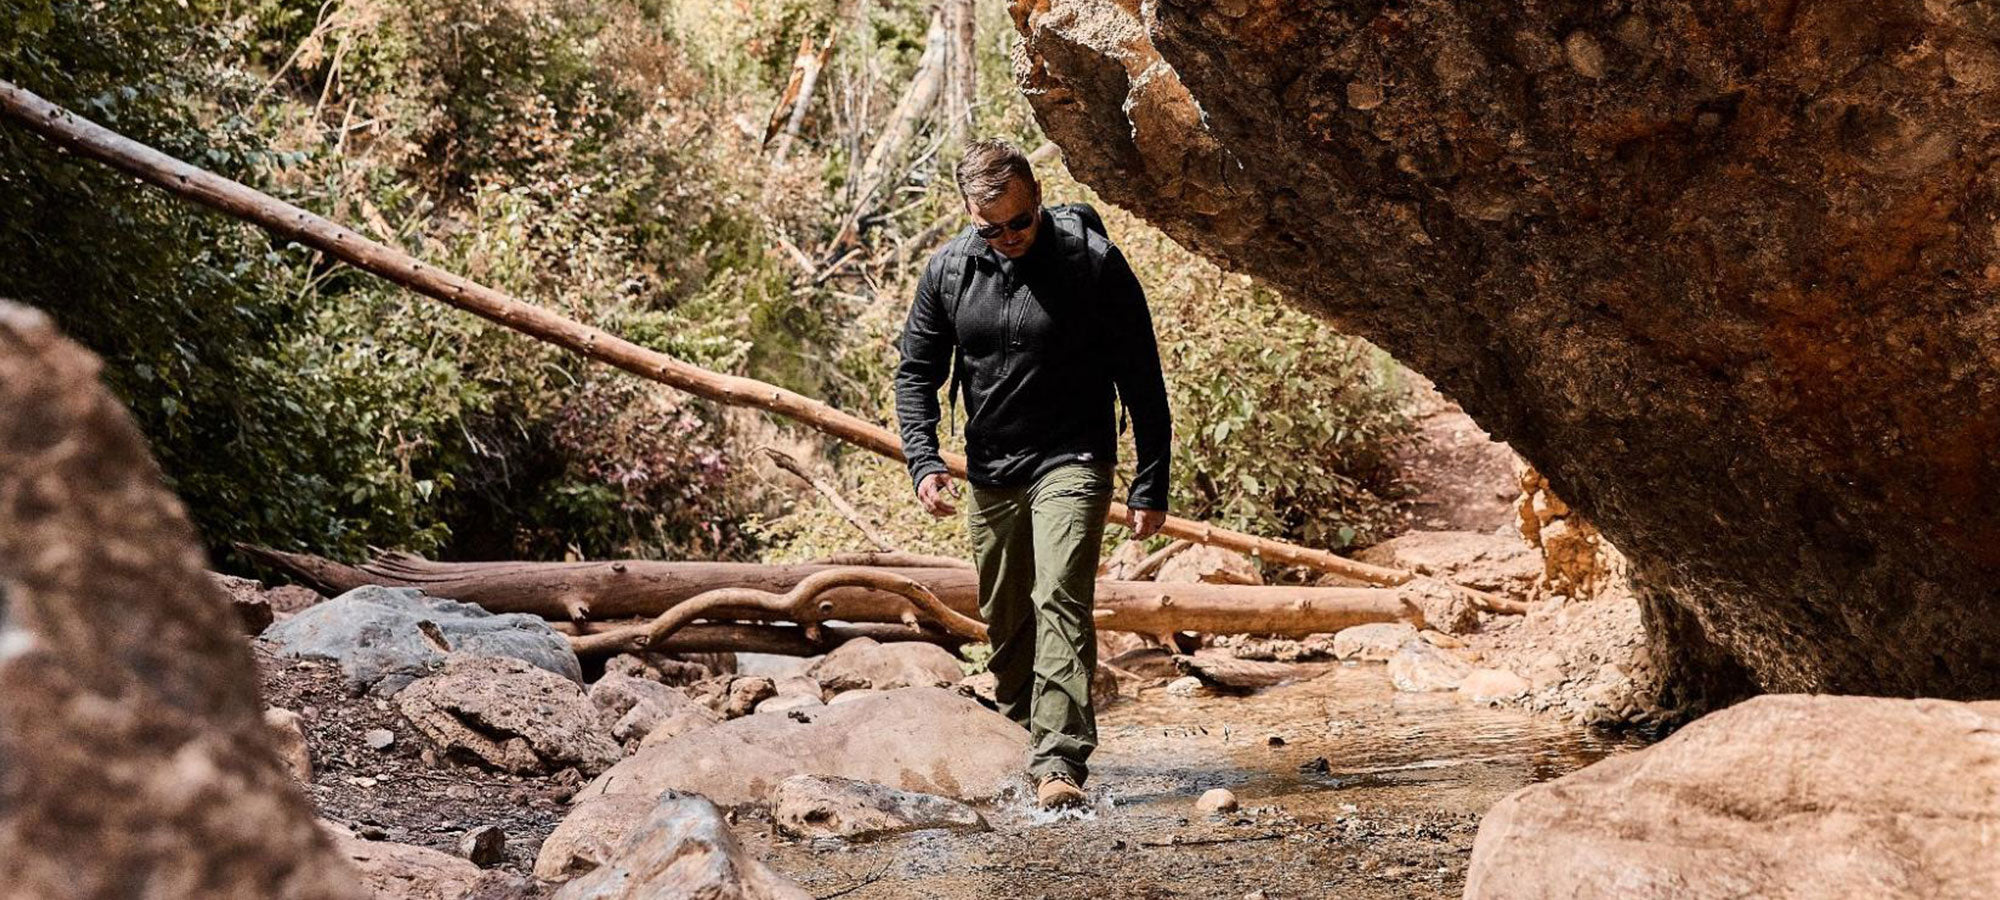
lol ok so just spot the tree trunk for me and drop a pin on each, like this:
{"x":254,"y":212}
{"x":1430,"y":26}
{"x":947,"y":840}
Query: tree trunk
{"x":925,"y":85}
{"x":962,"y":23}
{"x":134,"y":759}
{"x":285,"y":220}
{"x":644,"y":589}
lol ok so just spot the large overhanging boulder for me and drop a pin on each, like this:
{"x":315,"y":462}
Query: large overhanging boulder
{"x":1725,"y":273}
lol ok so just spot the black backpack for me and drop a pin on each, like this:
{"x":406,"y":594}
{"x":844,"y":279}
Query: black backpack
{"x":1084,"y":243}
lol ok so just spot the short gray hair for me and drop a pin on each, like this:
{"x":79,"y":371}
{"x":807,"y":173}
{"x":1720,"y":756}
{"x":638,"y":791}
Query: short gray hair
{"x":986,"y":168}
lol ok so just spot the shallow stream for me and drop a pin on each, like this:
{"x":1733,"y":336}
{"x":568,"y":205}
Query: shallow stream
{"x":1365,"y":792}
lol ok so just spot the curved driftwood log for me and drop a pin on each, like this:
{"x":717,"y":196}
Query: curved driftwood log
{"x":779,"y":640}
{"x":802,"y":604}
{"x":134,"y":759}
{"x":645,"y":588}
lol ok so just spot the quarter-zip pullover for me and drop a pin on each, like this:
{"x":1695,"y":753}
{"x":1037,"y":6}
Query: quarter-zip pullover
{"x":1042,"y":343}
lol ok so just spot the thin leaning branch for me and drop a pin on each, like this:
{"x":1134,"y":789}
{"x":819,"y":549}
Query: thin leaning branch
{"x":791,"y":464}
{"x":801,"y":604}
{"x":88,"y":139}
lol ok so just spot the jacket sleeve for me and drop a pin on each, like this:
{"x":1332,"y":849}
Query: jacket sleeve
{"x":928,"y":344}
{"x":1140,"y":382}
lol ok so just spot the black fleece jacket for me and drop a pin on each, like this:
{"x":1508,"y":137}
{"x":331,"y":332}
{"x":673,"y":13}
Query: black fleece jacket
{"x":1041,"y":341}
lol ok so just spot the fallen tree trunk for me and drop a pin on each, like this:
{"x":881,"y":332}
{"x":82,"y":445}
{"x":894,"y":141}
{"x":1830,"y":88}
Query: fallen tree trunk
{"x":644,"y":589}
{"x":88,"y":139}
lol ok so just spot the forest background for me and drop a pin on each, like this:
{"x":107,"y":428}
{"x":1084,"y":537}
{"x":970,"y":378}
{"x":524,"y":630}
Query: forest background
{"x":652,"y":167}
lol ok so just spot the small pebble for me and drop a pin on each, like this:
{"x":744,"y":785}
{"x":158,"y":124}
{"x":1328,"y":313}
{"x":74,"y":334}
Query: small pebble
{"x":379,"y":738}
{"x":1216,"y":800}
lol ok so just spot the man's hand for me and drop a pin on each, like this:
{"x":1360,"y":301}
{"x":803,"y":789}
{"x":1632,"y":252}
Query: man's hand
{"x":932,"y":492}
{"x":1145,"y":522}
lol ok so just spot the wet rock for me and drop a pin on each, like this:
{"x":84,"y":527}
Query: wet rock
{"x":1374,"y":642}
{"x":1503,"y":564}
{"x":1216,"y":800}
{"x":810,"y":806}
{"x":867,"y":663}
{"x":1419,"y":667}
{"x":485,"y":846}
{"x":1210,"y":565}
{"x":508,"y":714}
{"x":1226,"y":671}
{"x":682,"y":848}
{"x":637,"y":706}
{"x":1781,"y":795}
{"x":1487,"y":685}
{"x":403,"y":871}
{"x":387,"y":637}
{"x":918,"y":739}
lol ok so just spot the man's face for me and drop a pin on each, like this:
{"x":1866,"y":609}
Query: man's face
{"x":1021,"y":198}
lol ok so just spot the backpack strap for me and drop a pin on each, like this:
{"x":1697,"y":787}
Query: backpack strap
{"x":955,"y":265}
{"x":1086,"y":244}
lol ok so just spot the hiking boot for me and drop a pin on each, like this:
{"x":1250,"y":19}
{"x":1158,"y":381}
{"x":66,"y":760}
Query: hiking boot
{"x":1057,"y":791}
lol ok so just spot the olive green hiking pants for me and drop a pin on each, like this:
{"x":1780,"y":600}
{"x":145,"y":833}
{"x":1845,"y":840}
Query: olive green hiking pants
{"x":1036,"y":549}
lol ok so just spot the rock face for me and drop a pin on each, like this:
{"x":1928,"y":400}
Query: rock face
{"x":810,"y":806}
{"x":682,"y":849}
{"x":917,"y":739}
{"x":1780,"y":796}
{"x":134,"y":756}
{"x":392,"y":636}
{"x":1725,"y":274}
{"x":504,"y":713}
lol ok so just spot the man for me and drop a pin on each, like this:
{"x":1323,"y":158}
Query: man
{"x":1039,"y":320}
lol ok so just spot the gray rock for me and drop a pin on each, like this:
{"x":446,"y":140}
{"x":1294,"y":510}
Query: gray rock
{"x":379,"y":738}
{"x":380,"y":638}
{"x":810,"y":806}
{"x":683,"y":848}
{"x":508,"y":714}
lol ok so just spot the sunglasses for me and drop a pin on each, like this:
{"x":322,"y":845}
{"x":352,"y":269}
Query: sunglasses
{"x":1018,"y":223}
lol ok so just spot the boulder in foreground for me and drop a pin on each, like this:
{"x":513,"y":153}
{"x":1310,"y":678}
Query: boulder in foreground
{"x":683,"y":848}
{"x":810,"y":806}
{"x":509,"y":715}
{"x":1780,"y":796}
{"x":917,"y":739}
